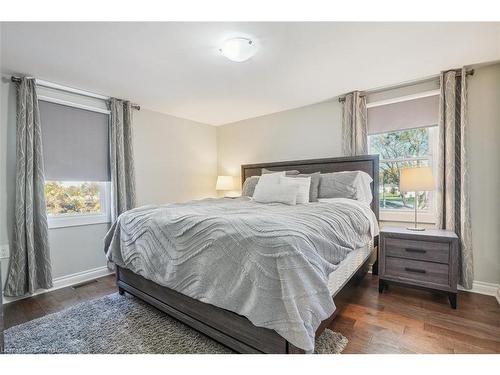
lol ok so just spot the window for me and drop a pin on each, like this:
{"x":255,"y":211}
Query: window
{"x":403,"y":132}
{"x":76,"y":203}
{"x":397,"y":150}
{"x":69,"y":198}
{"x":76,"y":159}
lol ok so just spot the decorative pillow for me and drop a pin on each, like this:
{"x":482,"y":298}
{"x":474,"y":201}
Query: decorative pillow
{"x":268,"y":179}
{"x":303,"y":185}
{"x":276,"y":193}
{"x":350,"y":184}
{"x":249,"y":186}
{"x":287,"y":173}
{"x":313,"y":190}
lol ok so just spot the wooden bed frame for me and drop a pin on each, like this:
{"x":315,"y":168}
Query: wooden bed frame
{"x":226,"y":327}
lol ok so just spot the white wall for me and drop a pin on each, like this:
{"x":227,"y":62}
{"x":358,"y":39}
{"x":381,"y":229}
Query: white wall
{"x":315,"y":131}
{"x":303,"y":133}
{"x":175,"y":161}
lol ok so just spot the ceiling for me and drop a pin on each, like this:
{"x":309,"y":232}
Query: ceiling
{"x":175,"y":68}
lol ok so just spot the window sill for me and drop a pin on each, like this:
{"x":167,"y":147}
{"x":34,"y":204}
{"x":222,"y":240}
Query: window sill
{"x":76,"y":220}
{"x":407,"y":216}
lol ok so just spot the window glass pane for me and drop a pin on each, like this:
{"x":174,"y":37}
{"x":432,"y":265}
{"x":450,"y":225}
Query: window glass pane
{"x":401,"y":144}
{"x":72,"y":197}
{"x":389,"y":194}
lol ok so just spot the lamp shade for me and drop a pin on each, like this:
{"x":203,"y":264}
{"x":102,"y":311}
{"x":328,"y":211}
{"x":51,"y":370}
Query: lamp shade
{"x":416,"y":179}
{"x":225,"y":183}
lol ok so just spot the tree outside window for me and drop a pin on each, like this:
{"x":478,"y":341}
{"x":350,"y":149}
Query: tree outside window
{"x":70,"y":198}
{"x":398,"y":150}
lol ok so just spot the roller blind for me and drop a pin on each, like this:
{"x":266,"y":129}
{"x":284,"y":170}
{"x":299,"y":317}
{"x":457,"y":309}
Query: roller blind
{"x":409,"y":114}
{"x":75,"y":143}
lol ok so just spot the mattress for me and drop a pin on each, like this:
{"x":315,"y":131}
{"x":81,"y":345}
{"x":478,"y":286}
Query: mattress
{"x":348,"y":267}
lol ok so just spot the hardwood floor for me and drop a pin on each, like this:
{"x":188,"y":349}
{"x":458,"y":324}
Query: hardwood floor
{"x":404,"y":320}
{"x":37,"y":306}
{"x":401,"y":320}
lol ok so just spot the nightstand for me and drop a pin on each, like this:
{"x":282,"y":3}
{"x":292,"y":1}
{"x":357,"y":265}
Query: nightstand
{"x":427,"y":259}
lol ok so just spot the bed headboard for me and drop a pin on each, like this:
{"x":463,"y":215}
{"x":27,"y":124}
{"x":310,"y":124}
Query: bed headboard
{"x":365,"y":163}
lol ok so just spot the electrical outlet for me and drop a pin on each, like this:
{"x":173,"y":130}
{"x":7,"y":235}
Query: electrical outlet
{"x":4,"y":251}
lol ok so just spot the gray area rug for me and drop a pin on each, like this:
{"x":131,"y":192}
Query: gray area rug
{"x":123,"y":325}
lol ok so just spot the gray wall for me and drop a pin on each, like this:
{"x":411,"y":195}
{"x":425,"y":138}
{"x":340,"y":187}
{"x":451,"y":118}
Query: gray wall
{"x":484,"y":167}
{"x":7,"y":164}
{"x":175,"y":161}
{"x":315,"y":131}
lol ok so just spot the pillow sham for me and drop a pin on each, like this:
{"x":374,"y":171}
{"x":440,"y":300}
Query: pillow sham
{"x":249,"y":186}
{"x":314,"y":187}
{"x":268,"y":179}
{"x":303,"y":185}
{"x":287,"y":173}
{"x":349,"y":184}
{"x":272,"y":178}
{"x":277,"y":193}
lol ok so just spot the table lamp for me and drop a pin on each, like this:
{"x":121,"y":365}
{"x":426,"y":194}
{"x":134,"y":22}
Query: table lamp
{"x":225,"y":183}
{"x":416,"y":180}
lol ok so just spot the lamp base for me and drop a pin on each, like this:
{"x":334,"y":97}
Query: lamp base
{"x":418,"y":229}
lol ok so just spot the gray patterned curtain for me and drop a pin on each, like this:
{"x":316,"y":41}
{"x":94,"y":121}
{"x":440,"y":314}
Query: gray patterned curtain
{"x":121,"y":158}
{"x":453,"y":174}
{"x":354,"y":128}
{"x":29,"y":266}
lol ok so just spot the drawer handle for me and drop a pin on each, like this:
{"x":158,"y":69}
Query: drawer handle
{"x":416,"y":270}
{"x":416,"y":251}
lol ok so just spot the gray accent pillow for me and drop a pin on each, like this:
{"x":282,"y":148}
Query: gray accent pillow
{"x":337,"y":185}
{"x":314,"y":188}
{"x":249,"y":186}
{"x":287,"y":173}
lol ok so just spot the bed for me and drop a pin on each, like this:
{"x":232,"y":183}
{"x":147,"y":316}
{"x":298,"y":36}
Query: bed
{"x":222,"y":324}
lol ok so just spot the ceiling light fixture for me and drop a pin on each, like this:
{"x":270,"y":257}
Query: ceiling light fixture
{"x":238,"y":49}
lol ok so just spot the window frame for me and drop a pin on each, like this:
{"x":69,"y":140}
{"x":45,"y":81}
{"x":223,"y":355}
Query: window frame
{"x":428,"y":216}
{"x":75,"y":219}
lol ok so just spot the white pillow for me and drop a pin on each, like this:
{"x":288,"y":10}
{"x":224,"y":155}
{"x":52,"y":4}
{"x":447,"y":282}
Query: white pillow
{"x":363,"y":187}
{"x":276,"y":193}
{"x":268,"y":179}
{"x":303,"y":184}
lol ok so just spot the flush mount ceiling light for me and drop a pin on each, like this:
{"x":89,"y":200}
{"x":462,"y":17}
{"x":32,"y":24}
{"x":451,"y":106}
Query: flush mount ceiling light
{"x":238,"y":49}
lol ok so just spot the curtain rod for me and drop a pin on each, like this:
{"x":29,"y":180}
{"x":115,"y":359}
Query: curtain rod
{"x":70,"y":89}
{"x":367,"y":92}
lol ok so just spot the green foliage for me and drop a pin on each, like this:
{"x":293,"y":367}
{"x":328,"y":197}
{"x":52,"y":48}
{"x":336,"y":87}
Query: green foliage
{"x":65,"y":198}
{"x":394,"y":147}
{"x":401,"y":144}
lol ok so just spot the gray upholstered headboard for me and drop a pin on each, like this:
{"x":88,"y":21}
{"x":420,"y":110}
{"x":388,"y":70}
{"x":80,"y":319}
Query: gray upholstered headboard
{"x":365,"y":163}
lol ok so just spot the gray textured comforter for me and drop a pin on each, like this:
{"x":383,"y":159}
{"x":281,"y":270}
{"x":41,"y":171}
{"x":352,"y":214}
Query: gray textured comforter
{"x":268,"y":262}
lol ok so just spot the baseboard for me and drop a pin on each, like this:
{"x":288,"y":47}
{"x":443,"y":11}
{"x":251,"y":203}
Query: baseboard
{"x":68,"y":280}
{"x":481,"y":287}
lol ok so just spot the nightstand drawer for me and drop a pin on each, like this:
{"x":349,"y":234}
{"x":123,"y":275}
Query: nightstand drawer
{"x":408,"y":269}
{"x":418,"y":250}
